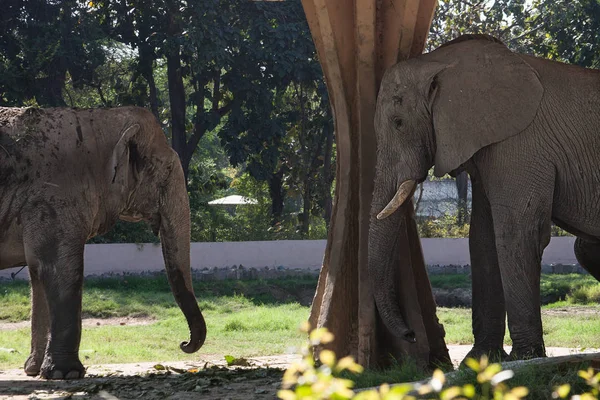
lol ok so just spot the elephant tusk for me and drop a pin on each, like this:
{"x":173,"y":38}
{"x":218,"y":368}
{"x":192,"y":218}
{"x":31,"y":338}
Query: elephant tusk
{"x":404,"y":191}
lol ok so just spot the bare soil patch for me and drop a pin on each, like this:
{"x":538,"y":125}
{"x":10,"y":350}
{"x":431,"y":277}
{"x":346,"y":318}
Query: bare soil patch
{"x":579,"y":310}
{"x":206,"y":379}
{"x":88,"y":322}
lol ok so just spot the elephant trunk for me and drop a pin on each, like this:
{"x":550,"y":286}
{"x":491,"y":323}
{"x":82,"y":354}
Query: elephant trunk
{"x":383,"y":248}
{"x":175,"y":239}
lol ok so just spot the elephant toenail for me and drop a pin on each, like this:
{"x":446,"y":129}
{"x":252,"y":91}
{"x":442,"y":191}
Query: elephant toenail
{"x":74,"y":375}
{"x":57,"y":375}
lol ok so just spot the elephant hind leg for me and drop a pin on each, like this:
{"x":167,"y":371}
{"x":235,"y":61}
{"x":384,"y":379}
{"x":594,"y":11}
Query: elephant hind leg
{"x":588,"y":256}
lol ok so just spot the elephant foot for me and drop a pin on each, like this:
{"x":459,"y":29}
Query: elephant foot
{"x":442,"y":362}
{"x":62,"y":368}
{"x":494,"y":354}
{"x":33,"y":364}
{"x":527,"y":352}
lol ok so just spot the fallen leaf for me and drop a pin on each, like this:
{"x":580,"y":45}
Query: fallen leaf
{"x":232,"y":361}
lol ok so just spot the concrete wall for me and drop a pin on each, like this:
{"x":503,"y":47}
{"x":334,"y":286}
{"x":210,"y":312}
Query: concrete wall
{"x":292,"y":254}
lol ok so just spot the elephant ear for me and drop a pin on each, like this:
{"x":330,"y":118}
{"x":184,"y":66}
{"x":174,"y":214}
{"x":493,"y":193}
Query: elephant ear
{"x":121,"y":170}
{"x":484,"y":94}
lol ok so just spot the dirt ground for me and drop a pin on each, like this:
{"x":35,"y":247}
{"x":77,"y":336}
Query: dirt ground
{"x":209,"y":379}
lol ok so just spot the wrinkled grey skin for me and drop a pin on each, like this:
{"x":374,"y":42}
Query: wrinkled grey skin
{"x":68,"y":175}
{"x":527,"y":130}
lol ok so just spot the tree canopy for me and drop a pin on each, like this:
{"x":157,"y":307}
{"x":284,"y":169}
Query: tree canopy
{"x":238,"y":88}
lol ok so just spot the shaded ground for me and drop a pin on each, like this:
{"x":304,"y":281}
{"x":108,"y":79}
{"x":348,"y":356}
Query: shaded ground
{"x":207,"y":379}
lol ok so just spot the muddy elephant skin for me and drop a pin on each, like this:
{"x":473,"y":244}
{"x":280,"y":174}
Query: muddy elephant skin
{"x":67,"y":175}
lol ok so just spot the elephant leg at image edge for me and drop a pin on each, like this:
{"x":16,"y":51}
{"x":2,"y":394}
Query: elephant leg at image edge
{"x":588,"y":256}
{"x":39,"y":323}
{"x":489,"y":313}
{"x":522,"y":232}
{"x":60,"y":268}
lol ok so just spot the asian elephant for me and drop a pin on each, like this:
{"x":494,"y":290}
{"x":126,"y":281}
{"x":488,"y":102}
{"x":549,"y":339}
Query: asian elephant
{"x":67,"y":175}
{"x":527,"y":130}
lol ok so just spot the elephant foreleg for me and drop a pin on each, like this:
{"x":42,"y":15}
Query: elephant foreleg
{"x":588,"y":255}
{"x":489,"y":314}
{"x":39,"y":323}
{"x":60,"y":269}
{"x":522,"y":232}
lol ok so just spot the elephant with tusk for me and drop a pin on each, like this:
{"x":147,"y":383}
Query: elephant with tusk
{"x":67,"y":175}
{"x":527,"y":130}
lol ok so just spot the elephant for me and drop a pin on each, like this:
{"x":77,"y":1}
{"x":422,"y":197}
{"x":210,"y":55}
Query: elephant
{"x":527,"y":131}
{"x":67,"y":175}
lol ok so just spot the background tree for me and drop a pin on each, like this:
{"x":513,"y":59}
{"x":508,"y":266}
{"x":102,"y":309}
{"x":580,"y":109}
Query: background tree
{"x":42,"y":42}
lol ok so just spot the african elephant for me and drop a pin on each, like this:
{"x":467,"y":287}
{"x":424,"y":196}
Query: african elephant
{"x":527,"y":130}
{"x":67,"y":175}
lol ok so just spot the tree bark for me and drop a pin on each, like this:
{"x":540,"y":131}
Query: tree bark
{"x":177,"y":100}
{"x":327,"y":178}
{"x":146,"y":60}
{"x":49,"y":88}
{"x":355,"y":42}
{"x":306,"y":207}
{"x":277,"y":194}
{"x":462,"y":187}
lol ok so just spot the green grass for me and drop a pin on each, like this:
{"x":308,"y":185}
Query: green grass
{"x":152,"y":297}
{"x":251,"y":318}
{"x":244,"y":318}
{"x":408,"y":371}
{"x":235,"y":326}
{"x":570,"y":330}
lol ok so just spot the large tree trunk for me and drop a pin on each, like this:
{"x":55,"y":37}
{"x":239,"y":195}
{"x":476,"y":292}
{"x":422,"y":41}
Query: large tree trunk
{"x":177,"y":100}
{"x":306,"y":207}
{"x":327,"y":178}
{"x":356,"y":41}
{"x":146,"y":61}
{"x":176,"y":92}
{"x":277,"y":194}
{"x":49,"y":88}
{"x":462,"y":187}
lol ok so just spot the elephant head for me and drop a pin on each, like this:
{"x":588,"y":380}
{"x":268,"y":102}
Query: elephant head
{"x":147,"y":181}
{"x":439,"y":109}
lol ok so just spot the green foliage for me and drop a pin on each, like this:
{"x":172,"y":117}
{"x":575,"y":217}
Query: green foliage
{"x":40,"y":43}
{"x":127,"y":232}
{"x":238,"y":88}
{"x":322,"y":379}
{"x":444,"y":227}
{"x":308,"y":379}
{"x":585,"y":295}
{"x":555,"y":287}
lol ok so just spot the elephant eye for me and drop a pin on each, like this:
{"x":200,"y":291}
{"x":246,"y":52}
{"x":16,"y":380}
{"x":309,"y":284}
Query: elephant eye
{"x":397,"y":100}
{"x":398,"y":122}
